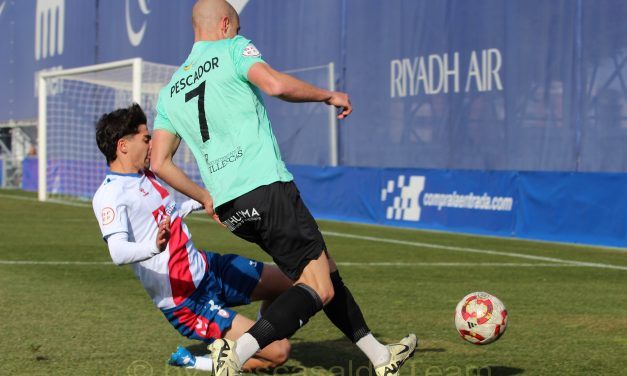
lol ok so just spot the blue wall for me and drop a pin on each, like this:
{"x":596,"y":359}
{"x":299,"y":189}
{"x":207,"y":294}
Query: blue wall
{"x":586,"y":208}
{"x":484,"y":84}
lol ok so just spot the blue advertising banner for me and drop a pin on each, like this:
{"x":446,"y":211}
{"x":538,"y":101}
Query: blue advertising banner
{"x":470,"y":201}
{"x":567,"y":207}
{"x":591,"y":208}
{"x":47,"y":35}
{"x":159,"y":31}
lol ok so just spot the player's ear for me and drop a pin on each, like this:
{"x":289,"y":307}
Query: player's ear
{"x":224,"y":25}
{"x":122,"y":145}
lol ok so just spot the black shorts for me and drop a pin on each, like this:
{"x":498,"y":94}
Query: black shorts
{"x":274,"y":217}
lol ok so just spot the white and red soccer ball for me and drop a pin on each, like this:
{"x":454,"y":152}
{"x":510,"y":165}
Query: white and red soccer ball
{"x":480,"y":318}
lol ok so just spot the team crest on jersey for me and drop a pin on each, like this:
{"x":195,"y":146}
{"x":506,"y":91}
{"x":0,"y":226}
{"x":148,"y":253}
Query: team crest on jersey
{"x":251,"y":50}
{"x":108,"y":215}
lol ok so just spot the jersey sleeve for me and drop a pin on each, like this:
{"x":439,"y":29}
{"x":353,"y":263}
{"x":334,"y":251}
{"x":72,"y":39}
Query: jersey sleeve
{"x":111,"y":213}
{"x":124,"y":252}
{"x":162,"y":121}
{"x":244,"y":55}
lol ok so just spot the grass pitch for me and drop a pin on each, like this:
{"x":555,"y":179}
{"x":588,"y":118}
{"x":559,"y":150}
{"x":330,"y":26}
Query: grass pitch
{"x":67,"y":311}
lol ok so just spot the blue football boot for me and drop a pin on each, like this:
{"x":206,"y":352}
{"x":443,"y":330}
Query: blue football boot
{"x":182,"y":358}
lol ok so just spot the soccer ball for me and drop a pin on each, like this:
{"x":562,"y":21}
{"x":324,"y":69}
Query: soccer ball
{"x":480,"y":318}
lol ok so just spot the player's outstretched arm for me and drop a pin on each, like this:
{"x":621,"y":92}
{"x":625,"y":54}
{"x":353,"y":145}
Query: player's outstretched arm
{"x":124,"y":252}
{"x":164,"y":144}
{"x":291,"y":89}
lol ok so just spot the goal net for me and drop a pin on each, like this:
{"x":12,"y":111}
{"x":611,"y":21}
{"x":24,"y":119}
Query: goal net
{"x":70,"y":103}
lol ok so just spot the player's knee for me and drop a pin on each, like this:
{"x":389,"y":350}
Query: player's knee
{"x":326,"y":294}
{"x":283,"y":352}
{"x":324,"y":289}
{"x":280,"y":353}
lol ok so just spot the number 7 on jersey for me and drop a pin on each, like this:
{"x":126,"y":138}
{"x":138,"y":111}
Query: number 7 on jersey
{"x":202,"y":119}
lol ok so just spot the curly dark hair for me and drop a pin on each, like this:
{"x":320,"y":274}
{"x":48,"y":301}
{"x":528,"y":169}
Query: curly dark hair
{"x":115,"y":125}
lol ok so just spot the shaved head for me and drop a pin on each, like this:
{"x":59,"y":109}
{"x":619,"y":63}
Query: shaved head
{"x":214,"y":19}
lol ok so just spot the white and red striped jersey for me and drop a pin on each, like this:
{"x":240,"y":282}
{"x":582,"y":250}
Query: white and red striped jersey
{"x":135,"y":203}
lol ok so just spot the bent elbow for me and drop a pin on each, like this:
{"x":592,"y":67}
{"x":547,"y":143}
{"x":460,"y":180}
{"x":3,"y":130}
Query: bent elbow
{"x":119,"y":261}
{"x":276,"y":89}
{"x":155,"y":167}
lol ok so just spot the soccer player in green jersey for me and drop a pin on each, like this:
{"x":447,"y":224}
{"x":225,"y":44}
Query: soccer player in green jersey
{"x":214,"y":103}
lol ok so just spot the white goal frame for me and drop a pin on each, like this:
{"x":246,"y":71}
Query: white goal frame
{"x":142,"y":83}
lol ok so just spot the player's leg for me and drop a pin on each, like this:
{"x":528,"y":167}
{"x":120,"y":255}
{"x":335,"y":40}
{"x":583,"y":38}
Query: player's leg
{"x":271,"y":356}
{"x":201,"y":318}
{"x":296,"y":245}
{"x":343,"y":311}
{"x":345,"y":314}
{"x":271,"y":284}
{"x":279,"y":231}
{"x":244,"y":280}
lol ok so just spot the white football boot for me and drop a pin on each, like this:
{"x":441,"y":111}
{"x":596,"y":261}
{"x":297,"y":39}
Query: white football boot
{"x":399,"y":353}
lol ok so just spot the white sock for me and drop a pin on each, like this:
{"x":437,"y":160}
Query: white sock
{"x":374,"y":350}
{"x":203,"y":363}
{"x":245,"y":347}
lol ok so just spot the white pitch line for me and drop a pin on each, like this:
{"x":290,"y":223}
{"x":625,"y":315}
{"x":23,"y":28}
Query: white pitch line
{"x":413,"y":244}
{"x":345,"y":264}
{"x":457,"y":264}
{"x":473,"y":250}
{"x":30,"y":262}
{"x":49,"y":201}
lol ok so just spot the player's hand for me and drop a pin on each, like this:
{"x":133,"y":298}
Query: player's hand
{"x":163,"y":233}
{"x":208,"y":204}
{"x":341,"y":101}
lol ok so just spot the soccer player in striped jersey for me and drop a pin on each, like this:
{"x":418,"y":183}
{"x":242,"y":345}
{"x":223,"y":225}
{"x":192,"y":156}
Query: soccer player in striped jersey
{"x":214,"y":102}
{"x":143,"y":226}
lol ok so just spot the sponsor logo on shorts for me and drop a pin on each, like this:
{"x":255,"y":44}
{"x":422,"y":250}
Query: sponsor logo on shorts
{"x":224,"y":161}
{"x":223,"y":313}
{"x":108,"y":215}
{"x":240,"y":217}
{"x":213,"y":306}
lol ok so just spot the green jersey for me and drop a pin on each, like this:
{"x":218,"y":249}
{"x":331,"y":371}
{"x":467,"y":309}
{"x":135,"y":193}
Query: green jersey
{"x":212,"y":106}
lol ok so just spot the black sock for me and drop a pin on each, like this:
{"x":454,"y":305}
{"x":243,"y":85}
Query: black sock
{"x":286,"y":315}
{"x":344,"y":312}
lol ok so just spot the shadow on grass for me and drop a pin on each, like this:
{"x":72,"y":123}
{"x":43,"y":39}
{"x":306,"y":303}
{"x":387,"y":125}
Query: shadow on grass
{"x":498,"y":371}
{"x":337,"y":356}
{"x":342,"y":358}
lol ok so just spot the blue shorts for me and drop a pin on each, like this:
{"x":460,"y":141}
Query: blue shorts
{"x":206,"y":315}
